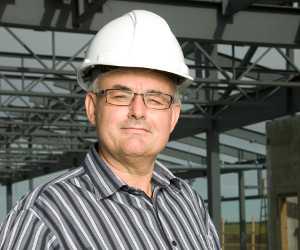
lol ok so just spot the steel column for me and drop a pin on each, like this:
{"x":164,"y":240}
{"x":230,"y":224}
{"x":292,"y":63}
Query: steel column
{"x":8,"y":196}
{"x":242,"y":211}
{"x":30,"y":185}
{"x":213,"y":178}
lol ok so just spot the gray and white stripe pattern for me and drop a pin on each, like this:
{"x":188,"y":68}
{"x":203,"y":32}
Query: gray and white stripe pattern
{"x":91,"y":208}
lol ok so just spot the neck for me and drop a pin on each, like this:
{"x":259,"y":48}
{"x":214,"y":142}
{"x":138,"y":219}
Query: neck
{"x":134,"y":171}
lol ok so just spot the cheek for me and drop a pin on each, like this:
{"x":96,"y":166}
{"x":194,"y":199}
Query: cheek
{"x":162,"y":125}
{"x":108,"y":122}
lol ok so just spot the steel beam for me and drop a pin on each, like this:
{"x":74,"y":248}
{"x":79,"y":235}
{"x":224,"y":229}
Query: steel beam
{"x":40,"y":110}
{"x":38,"y":71}
{"x":189,"y":126}
{"x":190,"y":173}
{"x":280,"y":103}
{"x":26,"y":123}
{"x":64,"y":82}
{"x":249,"y":83}
{"x":236,"y":198}
{"x":259,"y":72}
{"x":39,"y":152}
{"x":269,"y":24}
{"x":274,"y":103}
{"x":248,"y":135}
{"x":49,"y":134}
{"x":41,"y":94}
{"x":225,"y":149}
{"x":12,"y":161}
{"x":189,"y":157}
{"x":41,"y":56}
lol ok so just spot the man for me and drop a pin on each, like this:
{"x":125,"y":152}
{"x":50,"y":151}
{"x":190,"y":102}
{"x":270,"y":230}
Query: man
{"x":119,"y":198}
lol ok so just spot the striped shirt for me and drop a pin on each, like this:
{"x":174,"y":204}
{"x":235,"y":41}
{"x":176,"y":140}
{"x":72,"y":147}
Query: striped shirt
{"x":91,"y":208}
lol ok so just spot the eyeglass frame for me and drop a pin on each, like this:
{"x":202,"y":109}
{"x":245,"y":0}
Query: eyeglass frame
{"x":103,"y":92}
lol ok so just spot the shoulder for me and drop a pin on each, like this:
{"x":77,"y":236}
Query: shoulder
{"x":188,"y":189}
{"x":188,"y":192}
{"x":30,"y":200}
{"x":32,"y":214}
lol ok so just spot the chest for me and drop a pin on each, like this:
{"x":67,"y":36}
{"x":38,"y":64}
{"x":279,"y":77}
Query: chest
{"x":130,"y":221}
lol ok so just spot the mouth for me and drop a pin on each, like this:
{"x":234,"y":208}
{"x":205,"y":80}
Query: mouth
{"x":135,"y":130}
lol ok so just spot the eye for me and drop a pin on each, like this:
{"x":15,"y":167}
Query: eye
{"x":158,"y":99}
{"x":120,"y":95}
{"x":155,"y":100}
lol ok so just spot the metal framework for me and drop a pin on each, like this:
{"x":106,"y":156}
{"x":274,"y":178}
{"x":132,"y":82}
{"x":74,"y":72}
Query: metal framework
{"x":42,"y":107}
{"x":231,"y":47}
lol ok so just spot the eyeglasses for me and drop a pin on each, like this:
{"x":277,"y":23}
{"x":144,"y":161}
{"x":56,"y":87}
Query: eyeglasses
{"x":124,"y":97}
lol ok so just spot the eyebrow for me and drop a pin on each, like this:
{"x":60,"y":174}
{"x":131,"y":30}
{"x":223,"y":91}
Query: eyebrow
{"x":120,"y":86}
{"x":124,"y":87}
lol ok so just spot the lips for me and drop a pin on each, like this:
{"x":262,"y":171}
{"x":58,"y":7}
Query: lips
{"x":137,"y":129}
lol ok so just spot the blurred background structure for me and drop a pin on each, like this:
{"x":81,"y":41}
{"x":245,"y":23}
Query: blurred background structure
{"x":245,"y":56}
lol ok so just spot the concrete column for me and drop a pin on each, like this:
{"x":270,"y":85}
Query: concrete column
{"x":213,"y":178}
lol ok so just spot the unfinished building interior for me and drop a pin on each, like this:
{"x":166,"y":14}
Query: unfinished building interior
{"x":245,"y":57}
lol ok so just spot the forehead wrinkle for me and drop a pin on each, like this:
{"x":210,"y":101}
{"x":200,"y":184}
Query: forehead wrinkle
{"x":124,"y":87}
{"x":122,"y":72}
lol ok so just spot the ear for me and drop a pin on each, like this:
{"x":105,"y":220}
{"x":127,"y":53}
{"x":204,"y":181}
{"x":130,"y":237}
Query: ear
{"x":175,"y":109}
{"x":90,"y":107}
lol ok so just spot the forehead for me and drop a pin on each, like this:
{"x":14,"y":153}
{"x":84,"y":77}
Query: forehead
{"x":142,"y":79}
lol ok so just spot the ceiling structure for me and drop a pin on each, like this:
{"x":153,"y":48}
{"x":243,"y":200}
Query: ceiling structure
{"x":43,"y":126}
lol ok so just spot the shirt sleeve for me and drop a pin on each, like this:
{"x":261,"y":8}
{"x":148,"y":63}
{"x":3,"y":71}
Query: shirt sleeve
{"x":23,"y":229}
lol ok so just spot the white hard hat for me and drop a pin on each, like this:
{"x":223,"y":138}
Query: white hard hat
{"x":139,"y":39}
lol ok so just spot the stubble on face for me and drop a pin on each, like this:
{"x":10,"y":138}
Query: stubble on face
{"x":134,"y":131}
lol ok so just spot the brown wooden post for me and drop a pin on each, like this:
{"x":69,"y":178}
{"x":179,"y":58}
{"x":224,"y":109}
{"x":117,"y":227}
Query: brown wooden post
{"x":283,"y":223}
{"x":253,"y":234}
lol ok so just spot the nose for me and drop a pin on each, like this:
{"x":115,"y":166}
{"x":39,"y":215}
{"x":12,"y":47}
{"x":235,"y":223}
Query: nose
{"x":137,"y":107}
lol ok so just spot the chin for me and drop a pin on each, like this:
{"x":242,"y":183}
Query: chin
{"x":135,"y":151}
{"x":140,"y":151}
{"x":139,"y":146}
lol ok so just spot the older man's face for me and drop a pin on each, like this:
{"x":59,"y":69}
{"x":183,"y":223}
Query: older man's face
{"x":134,"y":130}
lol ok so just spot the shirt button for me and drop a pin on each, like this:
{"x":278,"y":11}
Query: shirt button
{"x":174,"y":243}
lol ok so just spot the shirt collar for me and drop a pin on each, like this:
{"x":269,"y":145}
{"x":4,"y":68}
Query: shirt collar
{"x":107,"y":183}
{"x":164,"y":177}
{"x":104,"y":180}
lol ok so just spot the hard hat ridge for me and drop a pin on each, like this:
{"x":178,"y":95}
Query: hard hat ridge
{"x":137,"y":39}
